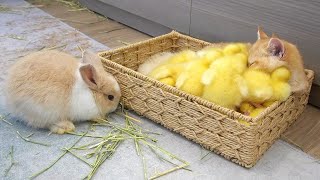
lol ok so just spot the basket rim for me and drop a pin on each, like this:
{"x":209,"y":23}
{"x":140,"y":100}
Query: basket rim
{"x":189,"y":97}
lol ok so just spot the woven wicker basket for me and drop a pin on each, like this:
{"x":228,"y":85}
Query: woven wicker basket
{"x":212,"y":126}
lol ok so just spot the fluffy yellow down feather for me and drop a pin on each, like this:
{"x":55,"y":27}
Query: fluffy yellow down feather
{"x":190,"y":79}
{"x":224,"y":84}
{"x":222,"y":76}
{"x":170,"y":69}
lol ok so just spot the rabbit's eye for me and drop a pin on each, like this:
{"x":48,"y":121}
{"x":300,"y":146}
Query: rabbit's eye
{"x":110,"y":97}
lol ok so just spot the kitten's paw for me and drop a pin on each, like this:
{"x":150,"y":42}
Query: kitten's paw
{"x":299,"y":90}
{"x":62,"y":127}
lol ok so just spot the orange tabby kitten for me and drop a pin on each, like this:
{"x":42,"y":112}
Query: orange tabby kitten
{"x":269,"y":53}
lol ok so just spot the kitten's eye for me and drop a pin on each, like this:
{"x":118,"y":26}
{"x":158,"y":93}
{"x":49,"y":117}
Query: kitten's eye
{"x":110,"y":97}
{"x":254,"y":64}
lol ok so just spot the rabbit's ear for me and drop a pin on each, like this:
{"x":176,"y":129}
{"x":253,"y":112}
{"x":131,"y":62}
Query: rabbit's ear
{"x":89,"y":76}
{"x":90,"y":57}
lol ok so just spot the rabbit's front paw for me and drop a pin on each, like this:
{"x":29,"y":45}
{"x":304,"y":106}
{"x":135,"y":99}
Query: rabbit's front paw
{"x":98,"y":120}
{"x":62,"y":127}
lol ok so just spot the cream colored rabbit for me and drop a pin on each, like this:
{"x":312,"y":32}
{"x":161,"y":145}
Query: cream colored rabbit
{"x":52,"y":89}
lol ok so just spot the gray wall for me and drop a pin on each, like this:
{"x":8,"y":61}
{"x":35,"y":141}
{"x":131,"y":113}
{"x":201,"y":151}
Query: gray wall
{"x":174,"y":14}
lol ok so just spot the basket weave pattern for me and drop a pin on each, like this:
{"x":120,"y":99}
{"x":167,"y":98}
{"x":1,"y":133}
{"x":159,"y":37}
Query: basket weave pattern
{"x":212,"y":126}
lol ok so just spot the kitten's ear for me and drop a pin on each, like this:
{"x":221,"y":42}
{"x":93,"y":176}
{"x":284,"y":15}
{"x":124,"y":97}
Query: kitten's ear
{"x":276,"y":47}
{"x":261,"y":33}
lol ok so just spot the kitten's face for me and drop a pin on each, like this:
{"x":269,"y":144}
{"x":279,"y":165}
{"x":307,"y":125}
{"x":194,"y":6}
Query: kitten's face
{"x":267,"y":53}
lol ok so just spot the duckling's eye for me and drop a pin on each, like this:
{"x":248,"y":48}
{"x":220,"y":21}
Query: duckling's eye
{"x":110,"y":97}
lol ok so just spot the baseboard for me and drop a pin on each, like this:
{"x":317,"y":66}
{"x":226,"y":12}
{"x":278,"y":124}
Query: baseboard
{"x":139,"y":23}
{"x":314,"y":98}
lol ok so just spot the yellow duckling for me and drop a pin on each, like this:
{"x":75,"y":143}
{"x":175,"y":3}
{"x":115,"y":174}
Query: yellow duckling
{"x":241,"y":121}
{"x":232,"y":49}
{"x":161,"y":60}
{"x":256,"y":112}
{"x":280,"y":85}
{"x":167,"y":73}
{"x":154,"y":61}
{"x":244,"y":48}
{"x":168,"y":80}
{"x":183,"y":56}
{"x":223,"y":82}
{"x":223,"y":91}
{"x":265,"y":88}
{"x":239,"y":63}
{"x":246,"y":108}
{"x":171,"y":66}
{"x":230,"y":64}
{"x":190,"y":79}
{"x":210,"y":54}
{"x":235,"y":48}
{"x":259,"y":85}
{"x":249,"y":110}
